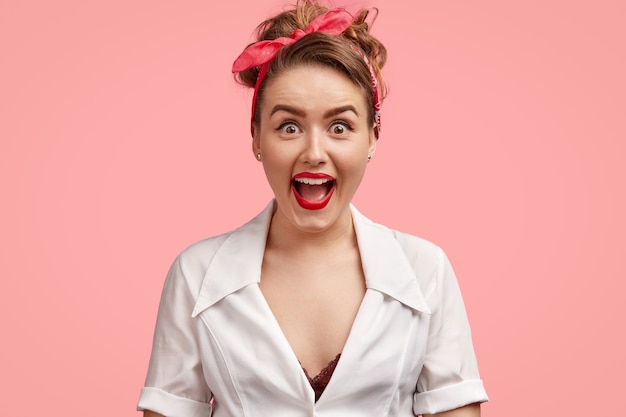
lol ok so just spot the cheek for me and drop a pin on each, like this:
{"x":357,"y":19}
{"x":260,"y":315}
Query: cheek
{"x":353,"y":167}
{"x":274,"y":157}
{"x":277,"y":168}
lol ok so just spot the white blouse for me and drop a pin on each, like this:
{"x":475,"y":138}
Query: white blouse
{"x":218,"y":349}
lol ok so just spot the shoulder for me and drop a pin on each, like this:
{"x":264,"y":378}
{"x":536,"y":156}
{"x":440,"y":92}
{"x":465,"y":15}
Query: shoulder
{"x":417,"y":250}
{"x":425,"y":258}
{"x":393,"y":250}
{"x":191,"y":264}
{"x":223,"y":255}
{"x":199,"y":254}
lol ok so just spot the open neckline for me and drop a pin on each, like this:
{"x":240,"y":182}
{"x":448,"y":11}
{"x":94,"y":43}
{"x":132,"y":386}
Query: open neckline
{"x":288,"y":350}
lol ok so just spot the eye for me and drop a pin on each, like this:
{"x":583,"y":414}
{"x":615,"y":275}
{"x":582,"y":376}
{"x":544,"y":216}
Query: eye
{"x":288,"y":128}
{"x":340,"y":128}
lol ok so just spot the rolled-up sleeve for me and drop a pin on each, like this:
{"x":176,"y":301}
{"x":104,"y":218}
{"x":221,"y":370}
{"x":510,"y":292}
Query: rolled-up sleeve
{"x":175,"y":384}
{"x":449,"y":378}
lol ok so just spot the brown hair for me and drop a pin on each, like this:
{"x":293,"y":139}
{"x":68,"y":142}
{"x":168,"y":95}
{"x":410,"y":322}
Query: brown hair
{"x":318,"y":48}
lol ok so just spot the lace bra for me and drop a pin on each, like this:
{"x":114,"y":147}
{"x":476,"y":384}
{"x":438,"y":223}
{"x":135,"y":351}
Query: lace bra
{"x":319,"y":382}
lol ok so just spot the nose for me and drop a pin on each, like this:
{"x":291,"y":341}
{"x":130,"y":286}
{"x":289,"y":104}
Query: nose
{"x":314,"y":148}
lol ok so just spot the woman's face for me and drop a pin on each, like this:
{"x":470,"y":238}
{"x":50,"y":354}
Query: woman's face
{"x":314,"y":139}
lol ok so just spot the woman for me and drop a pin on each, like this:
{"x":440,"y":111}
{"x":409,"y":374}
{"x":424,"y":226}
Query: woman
{"x":310,"y":308}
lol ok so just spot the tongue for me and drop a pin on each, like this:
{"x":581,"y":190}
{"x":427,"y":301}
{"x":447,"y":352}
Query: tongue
{"x":312,"y":192}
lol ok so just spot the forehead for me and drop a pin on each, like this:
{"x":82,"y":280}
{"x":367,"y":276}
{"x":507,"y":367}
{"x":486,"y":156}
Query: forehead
{"x":313,"y":87}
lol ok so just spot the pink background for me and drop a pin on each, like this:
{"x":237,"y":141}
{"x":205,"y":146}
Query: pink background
{"x":124,"y":139}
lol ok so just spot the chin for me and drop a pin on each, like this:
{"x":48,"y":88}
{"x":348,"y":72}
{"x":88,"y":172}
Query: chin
{"x":319,"y":220}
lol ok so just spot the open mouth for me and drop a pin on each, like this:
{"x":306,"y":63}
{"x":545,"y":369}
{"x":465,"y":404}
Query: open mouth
{"x":313,"y":191}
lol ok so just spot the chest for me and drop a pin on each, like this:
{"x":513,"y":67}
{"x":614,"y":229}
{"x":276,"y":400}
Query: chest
{"x":314,"y":304}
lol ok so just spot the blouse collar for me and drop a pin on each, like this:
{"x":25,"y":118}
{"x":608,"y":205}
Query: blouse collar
{"x":237,"y":262}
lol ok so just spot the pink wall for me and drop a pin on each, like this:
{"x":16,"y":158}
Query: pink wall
{"x":124,"y":139}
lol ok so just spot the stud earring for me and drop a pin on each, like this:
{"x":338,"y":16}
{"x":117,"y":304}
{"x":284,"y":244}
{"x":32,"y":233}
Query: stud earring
{"x":258,"y":156}
{"x":369,"y":157}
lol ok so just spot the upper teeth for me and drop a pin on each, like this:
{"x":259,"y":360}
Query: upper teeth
{"x":313,"y":181}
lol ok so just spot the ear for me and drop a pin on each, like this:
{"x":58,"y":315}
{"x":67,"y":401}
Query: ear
{"x":256,"y":142}
{"x":373,"y":140}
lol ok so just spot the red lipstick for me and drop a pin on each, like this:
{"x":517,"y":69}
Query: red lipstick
{"x":313,"y":204}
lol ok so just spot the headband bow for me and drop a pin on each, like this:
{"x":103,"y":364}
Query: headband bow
{"x":334,"y":22}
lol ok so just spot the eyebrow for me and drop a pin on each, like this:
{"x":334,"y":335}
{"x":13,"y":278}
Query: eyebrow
{"x":339,"y":110}
{"x":301,"y":113}
{"x":288,"y":109}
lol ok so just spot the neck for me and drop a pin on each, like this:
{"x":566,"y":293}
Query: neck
{"x":286,"y":236}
